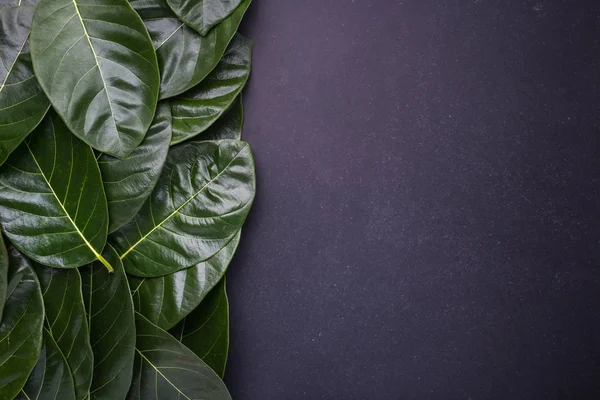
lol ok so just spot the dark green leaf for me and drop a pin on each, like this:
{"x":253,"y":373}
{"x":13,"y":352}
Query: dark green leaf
{"x":21,"y":326}
{"x":229,"y":126}
{"x":112,"y":329}
{"x":129,"y":182}
{"x":166,"y":369}
{"x":52,"y":202}
{"x":200,"y":202}
{"x":23,"y":104}
{"x":66,"y":322}
{"x":206,"y":330}
{"x":15,"y":21}
{"x":198,"y":108}
{"x":202,"y":15}
{"x":51,"y":377}
{"x":3,"y":275}
{"x":95,"y":61}
{"x":166,"y":300}
{"x":185,"y":57}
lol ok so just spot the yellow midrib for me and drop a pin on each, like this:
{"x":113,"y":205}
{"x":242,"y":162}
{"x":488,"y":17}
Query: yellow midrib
{"x":181,"y":206}
{"x":88,"y":244}
{"x":87,"y":36}
{"x":161,"y":374}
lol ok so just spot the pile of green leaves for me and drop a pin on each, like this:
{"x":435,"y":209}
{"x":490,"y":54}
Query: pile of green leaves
{"x":124,"y":185}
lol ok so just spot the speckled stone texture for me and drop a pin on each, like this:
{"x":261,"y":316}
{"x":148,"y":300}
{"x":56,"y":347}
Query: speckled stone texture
{"x":427,"y":220}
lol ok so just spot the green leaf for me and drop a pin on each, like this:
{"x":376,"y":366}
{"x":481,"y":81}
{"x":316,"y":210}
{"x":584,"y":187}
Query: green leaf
{"x":95,"y":61}
{"x":198,"y":108}
{"x":229,"y":126}
{"x":166,"y":369}
{"x":205,"y":331}
{"x":4,"y":265}
{"x":112,"y":328}
{"x":185,"y":57}
{"x":52,"y":202}
{"x":129,"y":182}
{"x":51,"y":377}
{"x":202,"y":15}
{"x":15,"y":21}
{"x":21,"y":326}
{"x":66,"y":322}
{"x":166,"y":300}
{"x":200,"y":202}
{"x":15,"y":3}
{"x":23,"y":104}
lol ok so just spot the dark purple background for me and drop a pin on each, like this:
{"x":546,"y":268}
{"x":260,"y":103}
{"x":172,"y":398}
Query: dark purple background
{"x":427,"y":220}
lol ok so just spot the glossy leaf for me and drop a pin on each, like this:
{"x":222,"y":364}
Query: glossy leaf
{"x":200,"y":202}
{"x":202,"y":15}
{"x":15,"y":21}
{"x":66,"y":322}
{"x":52,"y":202}
{"x":21,"y":326}
{"x":16,"y":3}
{"x":229,"y":126}
{"x":112,"y":329}
{"x":198,"y":108}
{"x":95,"y":61}
{"x":23,"y":104}
{"x":129,"y":182}
{"x":51,"y":378}
{"x":184,"y":56}
{"x":166,"y":300}
{"x":166,"y":369}
{"x":205,"y":331}
{"x":4,"y":265}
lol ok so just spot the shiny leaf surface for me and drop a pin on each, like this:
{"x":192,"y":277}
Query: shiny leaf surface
{"x":166,"y":369}
{"x":129,"y":182}
{"x":200,"y":202}
{"x":21,"y":326}
{"x":95,"y":61}
{"x":15,"y":21}
{"x":15,"y":3}
{"x":202,"y":15}
{"x":198,"y":108}
{"x":166,"y":300}
{"x":229,"y":126}
{"x":112,"y":328}
{"x":205,"y":331}
{"x":3,"y":275}
{"x":184,"y":56}
{"x":66,"y":322}
{"x":52,"y":202}
{"x":51,"y":377}
{"x":23,"y":104}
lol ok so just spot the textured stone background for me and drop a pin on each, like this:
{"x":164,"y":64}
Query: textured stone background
{"x":427,"y":221}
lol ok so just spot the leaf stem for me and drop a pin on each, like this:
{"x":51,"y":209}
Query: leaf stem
{"x":105,"y":263}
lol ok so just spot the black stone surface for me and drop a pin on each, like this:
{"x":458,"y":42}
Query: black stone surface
{"x":427,"y":222}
